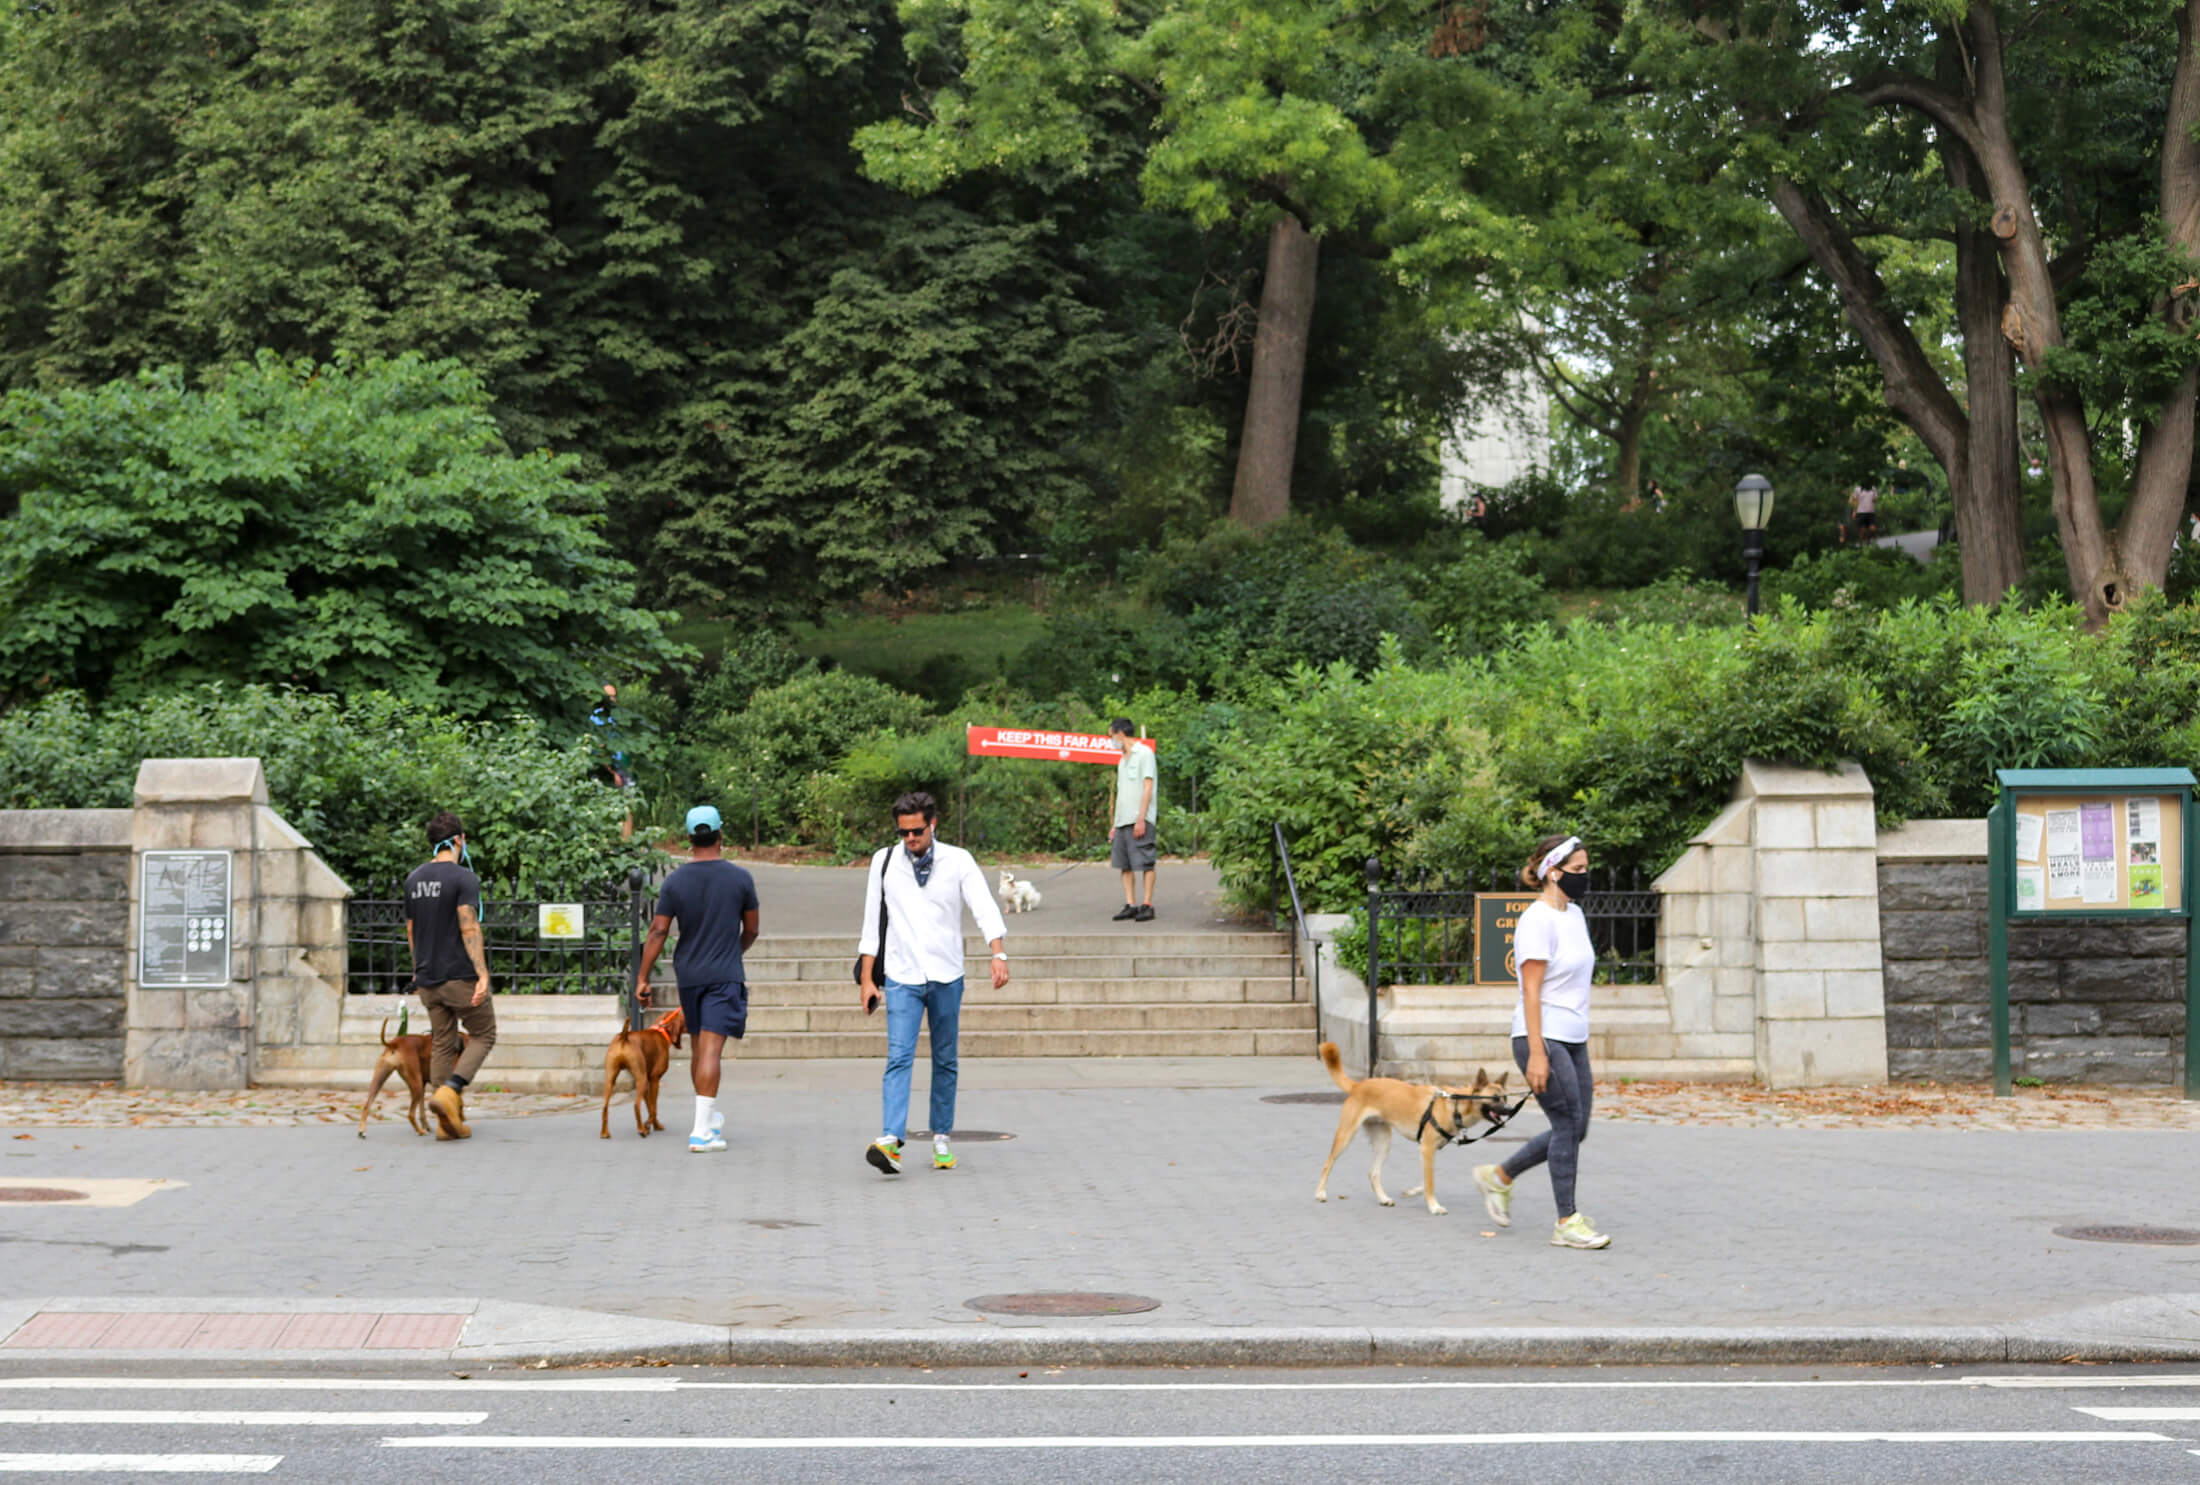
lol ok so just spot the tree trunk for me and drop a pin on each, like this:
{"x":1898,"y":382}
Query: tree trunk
{"x":1915,"y":392}
{"x":2164,"y":471}
{"x":1989,"y":501}
{"x":1269,"y":443}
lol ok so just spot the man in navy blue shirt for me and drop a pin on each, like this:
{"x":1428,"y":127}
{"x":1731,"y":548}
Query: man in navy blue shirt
{"x":714,"y":903}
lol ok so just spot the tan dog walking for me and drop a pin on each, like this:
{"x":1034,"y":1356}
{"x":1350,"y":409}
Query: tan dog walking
{"x":643,"y":1055}
{"x":1429,"y":1115}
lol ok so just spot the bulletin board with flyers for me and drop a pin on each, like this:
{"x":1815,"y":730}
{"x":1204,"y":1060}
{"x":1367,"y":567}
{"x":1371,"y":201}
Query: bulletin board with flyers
{"x":2090,"y":843}
{"x":2092,"y":854}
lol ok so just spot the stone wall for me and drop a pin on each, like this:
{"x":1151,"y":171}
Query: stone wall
{"x":64,"y":918}
{"x":2088,"y":1002}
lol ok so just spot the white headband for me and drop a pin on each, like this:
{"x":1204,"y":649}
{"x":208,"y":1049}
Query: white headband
{"x":1559,"y":853}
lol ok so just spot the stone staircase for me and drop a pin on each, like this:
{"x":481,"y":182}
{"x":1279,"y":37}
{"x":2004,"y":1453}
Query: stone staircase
{"x":1121,"y":994}
{"x":1445,"y":1032}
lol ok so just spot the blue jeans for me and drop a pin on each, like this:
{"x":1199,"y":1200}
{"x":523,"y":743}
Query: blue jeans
{"x":907,"y":1007}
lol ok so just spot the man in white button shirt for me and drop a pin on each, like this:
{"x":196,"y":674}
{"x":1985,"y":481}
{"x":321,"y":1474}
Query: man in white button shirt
{"x":926,"y":883}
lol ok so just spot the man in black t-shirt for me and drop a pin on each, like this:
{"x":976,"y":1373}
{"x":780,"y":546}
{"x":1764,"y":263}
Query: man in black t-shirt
{"x":450,"y":970}
{"x":714,"y":902}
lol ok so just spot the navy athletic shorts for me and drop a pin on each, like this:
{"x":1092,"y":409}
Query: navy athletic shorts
{"x":720,"y":1008}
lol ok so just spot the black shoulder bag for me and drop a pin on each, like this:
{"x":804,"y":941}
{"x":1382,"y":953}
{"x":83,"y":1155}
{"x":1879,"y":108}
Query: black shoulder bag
{"x":880,"y":957}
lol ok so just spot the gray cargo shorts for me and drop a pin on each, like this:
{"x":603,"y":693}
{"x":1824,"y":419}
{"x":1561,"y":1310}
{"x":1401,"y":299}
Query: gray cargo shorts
{"x":1133,"y":853}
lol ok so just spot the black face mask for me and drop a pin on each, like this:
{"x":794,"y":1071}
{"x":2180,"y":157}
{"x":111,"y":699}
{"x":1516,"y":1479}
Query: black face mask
{"x":1573,"y":884}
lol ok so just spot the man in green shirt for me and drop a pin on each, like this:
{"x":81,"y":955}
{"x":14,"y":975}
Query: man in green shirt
{"x":1137,"y":807}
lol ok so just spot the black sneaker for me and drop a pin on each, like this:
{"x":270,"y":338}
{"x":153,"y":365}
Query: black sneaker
{"x":1126,"y":915}
{"x":1145,"y":914}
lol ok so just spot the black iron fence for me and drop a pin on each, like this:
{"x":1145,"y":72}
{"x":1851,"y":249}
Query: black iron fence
{"x":1423,"y":931}
{"x":544,"y":938}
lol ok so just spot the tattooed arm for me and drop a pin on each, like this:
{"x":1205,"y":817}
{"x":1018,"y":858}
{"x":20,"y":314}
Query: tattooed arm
{"x":469,"y":929}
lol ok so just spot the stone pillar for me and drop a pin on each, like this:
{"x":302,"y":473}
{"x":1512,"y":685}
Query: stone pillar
{"x":1821,"y":1002}
{"x":200,"y":1037}
{"x":1707,"y":940}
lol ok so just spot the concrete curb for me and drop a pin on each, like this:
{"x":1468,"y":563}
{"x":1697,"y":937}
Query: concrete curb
{"x":504,"y":1334}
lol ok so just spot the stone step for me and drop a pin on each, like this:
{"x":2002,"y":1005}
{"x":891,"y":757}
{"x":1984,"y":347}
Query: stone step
{"x":1494,"y":1050}
{"x":1675,"y":1070}
{"x":1602,"y":998}
{"x":976,"y":1044}
{"x":513,"y":1080}
{"x":359,"y":1061}
{"x":1128,"y":938}
{"x":1021,"y":991}
{"x":1497,"y":1020}
{"x":1053,"y":967}
{"x":975,"y":1018}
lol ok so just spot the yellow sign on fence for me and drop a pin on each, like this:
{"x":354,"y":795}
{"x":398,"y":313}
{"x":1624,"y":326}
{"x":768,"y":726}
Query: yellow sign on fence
{"x":559,"y":920}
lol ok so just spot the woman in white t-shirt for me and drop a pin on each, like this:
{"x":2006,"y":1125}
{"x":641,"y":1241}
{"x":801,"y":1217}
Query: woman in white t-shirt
{"x":1550,"y":1036}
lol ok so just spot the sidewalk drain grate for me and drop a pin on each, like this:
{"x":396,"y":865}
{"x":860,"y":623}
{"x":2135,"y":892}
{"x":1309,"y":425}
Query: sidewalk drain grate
{"x":2177,"y":1237}
{"x":967,"y":1136}
{"x":40,"y":1193}
{"x":1329,"y":1098}
{"x":774,"y":1224}
{"x":1061,"y":1303}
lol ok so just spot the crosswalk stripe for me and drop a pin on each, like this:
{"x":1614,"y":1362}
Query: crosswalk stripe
{"x":1287,"y":1441}
{"x":236,"y":1419}
{"x":140,"y":1464}
{"x":2143,"y":1415}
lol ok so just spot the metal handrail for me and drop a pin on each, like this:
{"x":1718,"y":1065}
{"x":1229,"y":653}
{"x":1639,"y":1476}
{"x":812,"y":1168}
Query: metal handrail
{"x":1298,"y":931}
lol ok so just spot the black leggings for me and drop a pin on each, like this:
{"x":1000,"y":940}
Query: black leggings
{"x":1565,"y":1098}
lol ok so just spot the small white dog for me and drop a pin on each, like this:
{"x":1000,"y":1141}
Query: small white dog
{"x":1017,"y":897}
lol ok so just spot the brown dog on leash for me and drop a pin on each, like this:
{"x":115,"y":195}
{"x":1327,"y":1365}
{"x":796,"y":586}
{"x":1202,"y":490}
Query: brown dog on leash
{"x":643,"y":1055}
{"x":1421,"y":1112}
{"x":409,"y":1057}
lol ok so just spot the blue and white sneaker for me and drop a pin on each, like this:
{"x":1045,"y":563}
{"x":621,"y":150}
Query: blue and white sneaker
{"x":704,"y":1144}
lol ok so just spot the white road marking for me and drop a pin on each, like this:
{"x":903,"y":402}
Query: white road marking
{"x":239,"y":1419}
{"x":666,"y":1384}
{"x":141,"y":1464}
{"x":1288,"y":1440}
{"x":2143,"y":1415}
{"x":102,"y":1191}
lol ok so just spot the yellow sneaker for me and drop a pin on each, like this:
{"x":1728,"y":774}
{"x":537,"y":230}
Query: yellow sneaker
{"x":1497,"y":1195}
{"x":1575,"y":1232}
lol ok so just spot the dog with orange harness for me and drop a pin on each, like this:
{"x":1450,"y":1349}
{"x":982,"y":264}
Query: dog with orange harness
{"x":642,"y":1055}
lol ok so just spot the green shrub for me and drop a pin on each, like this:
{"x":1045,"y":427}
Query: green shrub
{"x":1862,"y":577}
{"x":359,"y":777}
{"x":1472,"y":603}
{"x":756,"y":760}
{"x":1675,"y":600}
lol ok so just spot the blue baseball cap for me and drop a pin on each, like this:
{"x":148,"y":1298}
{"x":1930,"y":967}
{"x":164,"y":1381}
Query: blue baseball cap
{"x":704,"y":817}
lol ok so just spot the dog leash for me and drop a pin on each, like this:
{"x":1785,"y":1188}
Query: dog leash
{"x":1495,"y":1111}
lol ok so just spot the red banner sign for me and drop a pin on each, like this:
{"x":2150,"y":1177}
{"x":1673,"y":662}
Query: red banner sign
{"x":1054,"y":747}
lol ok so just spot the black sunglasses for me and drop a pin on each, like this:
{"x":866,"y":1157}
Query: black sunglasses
{"x":921,"y":829}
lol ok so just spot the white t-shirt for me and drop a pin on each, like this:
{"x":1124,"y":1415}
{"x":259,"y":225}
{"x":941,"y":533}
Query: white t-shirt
{"x":1561,"y":941}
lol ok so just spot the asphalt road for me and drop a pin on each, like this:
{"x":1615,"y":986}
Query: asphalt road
{"x":1943,"y":1426}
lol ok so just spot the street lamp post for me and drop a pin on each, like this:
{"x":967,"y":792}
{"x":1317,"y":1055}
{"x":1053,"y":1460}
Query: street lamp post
{"x":1753,"y":507}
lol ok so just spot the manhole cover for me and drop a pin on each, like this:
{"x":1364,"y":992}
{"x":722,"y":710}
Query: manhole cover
{"x":776,"y":1223}
{"x":1062,"y":1303}
{"x":1331,"y":1098}
{"x":967,"y":1136}
{"x":2182,"y":1237}
{"x":39,"y":1193}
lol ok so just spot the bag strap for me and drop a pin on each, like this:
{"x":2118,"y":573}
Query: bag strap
{"x":885,"y":861}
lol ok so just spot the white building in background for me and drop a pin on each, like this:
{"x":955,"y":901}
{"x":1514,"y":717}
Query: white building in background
{"x":1499,"y":444}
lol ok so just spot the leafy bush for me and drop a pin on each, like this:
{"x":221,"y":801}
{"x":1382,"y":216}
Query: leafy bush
{"x":1862,"y":577}
{"x":758,"y":759}
{"x":353,"y":527}
{"x":1485,"y":592}
{"x":1675,"y":600}
{"x":359,"y":777}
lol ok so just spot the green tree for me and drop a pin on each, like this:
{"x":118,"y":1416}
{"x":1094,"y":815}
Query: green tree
{"x":345,"y":527}
{"x":2057,"y":146}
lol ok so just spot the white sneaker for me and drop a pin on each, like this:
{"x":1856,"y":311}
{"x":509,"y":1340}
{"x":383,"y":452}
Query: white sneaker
{"x":705,"y":1144}
{"x":1497,"y":1195}
{"x":1575,"y":1232}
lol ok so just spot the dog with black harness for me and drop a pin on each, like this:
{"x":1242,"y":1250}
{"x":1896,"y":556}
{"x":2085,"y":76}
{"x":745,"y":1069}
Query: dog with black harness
{"x":1431,"y":1116}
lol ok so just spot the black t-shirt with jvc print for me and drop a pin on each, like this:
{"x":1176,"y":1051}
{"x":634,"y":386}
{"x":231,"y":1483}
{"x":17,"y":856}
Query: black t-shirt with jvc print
{"x":432,"y":896}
